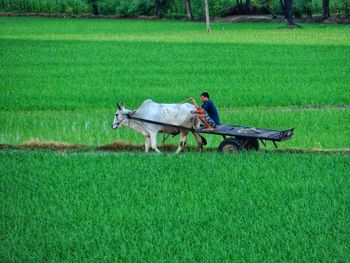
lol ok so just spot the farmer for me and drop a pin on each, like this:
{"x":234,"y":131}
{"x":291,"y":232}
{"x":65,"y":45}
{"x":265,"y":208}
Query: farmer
{"x":207,"y":113}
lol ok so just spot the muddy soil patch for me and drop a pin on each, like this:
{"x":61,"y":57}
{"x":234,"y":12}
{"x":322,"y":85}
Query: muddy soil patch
{"x":125,"y":147}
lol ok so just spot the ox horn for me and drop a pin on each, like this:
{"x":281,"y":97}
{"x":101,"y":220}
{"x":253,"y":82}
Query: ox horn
{"x":118,"y":105}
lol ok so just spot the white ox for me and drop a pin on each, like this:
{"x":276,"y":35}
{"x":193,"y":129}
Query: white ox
{"x":175,"y":114}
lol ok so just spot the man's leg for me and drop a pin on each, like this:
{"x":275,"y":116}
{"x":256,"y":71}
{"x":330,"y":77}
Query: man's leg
{"x":202,"y":118}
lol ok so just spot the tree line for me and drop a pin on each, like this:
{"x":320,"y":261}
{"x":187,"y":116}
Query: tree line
{"x":189,"y":9}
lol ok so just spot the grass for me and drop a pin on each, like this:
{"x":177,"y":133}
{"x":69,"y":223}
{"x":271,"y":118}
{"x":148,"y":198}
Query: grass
{"x":105,"y":65}
{"x":63,"y":77}
{"x":105,"y":207}
{"x":315,"y":128}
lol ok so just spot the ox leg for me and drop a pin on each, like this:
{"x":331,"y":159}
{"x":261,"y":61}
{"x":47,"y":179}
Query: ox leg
{"x":153,"y":138}
{"x":183,"y":136}
{"x":199,"y":140}
{"x":147,"y":143}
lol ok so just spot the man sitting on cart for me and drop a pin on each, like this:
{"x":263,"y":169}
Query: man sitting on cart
{"x":207,"y":113}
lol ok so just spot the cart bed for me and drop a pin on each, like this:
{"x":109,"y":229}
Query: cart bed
{"x":244,"y":131}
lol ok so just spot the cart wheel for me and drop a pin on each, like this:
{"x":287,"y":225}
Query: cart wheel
{"x":250,"y":144}
{"x":230,"y":145}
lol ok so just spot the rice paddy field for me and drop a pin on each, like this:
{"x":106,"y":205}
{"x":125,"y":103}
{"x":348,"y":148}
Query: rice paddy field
{"x":60,"y":81}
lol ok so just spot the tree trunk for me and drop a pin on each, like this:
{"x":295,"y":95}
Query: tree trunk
{"x":207,"y":15}
{"x":289,"y":11}
{"x":188,"y":10}
{"x":283,"y":7}
{"x":157,"y":7}
{"x":247,"y":7}
{"x":325,"y":4}
{"x":287,"y":7}
{"x":94,"y":7}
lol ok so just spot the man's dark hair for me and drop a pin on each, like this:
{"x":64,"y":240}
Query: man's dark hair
{"x":205,"y":94}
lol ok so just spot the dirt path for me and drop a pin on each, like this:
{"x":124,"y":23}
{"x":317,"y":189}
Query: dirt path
{"x":123,"y":147}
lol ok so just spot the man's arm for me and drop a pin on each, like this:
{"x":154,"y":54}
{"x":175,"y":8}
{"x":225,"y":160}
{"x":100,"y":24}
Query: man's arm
{"x":198,"y":108}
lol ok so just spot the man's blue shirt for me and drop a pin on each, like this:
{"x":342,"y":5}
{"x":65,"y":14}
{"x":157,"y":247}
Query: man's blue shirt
{"x":210,"y":108}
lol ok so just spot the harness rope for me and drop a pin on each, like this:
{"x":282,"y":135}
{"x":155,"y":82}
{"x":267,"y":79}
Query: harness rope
{"x":165,"y":134}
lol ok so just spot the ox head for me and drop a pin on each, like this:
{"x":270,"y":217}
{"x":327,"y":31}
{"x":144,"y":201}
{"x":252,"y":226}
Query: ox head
{"x":121,"y":116}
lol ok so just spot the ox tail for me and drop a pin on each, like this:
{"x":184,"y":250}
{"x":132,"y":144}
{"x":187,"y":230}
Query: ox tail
{"x":204,"y":141}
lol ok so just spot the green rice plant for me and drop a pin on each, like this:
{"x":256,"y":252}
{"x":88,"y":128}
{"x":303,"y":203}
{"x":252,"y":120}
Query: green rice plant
{"x":125,"y":207}
{"x":314,"y":128}
{"x":60,"y":67}
{"x":62,"y":78}
{"x":60,"y":82}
